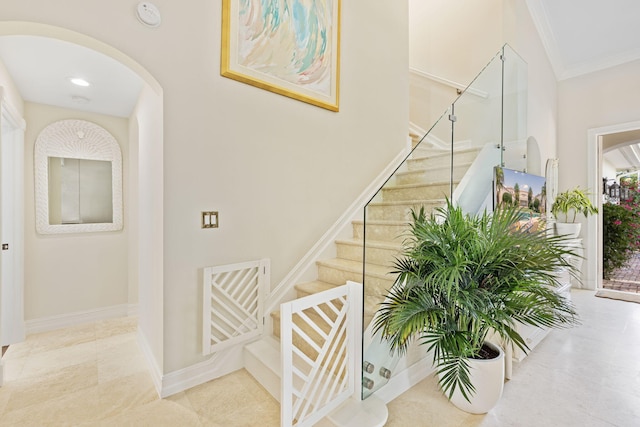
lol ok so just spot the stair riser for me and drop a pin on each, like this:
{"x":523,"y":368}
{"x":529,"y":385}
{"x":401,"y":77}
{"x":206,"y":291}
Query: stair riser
{"x":400,"y":212}
{"x":388,"y":233}
{"x":431,"y":175}
{"x":422,"y":192}
{"x":374,"y":285}
{"x":442,"y":160}
{"x":379,"y":256}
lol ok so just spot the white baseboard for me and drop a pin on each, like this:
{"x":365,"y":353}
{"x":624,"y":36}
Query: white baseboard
{"x":45,"y":324}
{"x":154,"y":370}
{"x":220,"y":364}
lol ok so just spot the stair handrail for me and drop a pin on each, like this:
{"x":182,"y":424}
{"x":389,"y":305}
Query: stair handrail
{"x":458,"y":86}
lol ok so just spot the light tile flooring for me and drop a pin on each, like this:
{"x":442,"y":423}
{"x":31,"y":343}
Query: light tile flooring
{"x":94,"y":375}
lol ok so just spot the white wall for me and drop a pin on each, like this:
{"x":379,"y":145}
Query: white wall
{"x":71,"y":273}
{"x":608,"y":171}
{"x":279,"y":171}
{"x":10,"y":91}
{"x":145,"y":220}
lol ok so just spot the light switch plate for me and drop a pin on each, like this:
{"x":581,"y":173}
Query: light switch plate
{"x":210,"y":219}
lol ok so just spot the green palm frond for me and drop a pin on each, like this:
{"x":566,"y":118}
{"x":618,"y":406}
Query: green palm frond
{"x":461,"y":277}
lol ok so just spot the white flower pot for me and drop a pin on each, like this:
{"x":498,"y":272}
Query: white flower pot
{"x":487,"y":376}
{"x":568,"y":228}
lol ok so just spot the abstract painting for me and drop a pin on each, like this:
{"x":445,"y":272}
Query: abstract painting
{"x":289,"y":47}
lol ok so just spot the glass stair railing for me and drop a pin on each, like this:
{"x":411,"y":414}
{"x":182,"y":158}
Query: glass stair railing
{"x":485,"y":127}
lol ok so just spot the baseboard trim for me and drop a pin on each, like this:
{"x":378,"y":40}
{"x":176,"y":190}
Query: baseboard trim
{"x":154,"y":369}
{"x":45,"y":324}
{"x":220,"y":364}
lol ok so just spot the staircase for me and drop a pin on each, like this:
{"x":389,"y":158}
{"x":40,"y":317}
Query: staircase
{"x":425,"y":182}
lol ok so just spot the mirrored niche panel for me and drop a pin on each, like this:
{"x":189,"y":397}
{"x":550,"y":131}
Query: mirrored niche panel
{"x":78,"y":167}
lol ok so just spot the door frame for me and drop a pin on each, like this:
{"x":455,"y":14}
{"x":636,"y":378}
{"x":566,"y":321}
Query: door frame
{"x":594,"y":181}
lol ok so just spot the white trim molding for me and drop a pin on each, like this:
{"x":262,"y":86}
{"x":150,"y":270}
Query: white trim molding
{"x":593,"y":262}
{"x":51,"y":323}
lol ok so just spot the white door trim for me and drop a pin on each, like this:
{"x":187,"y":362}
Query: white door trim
{"x":594,"y":222}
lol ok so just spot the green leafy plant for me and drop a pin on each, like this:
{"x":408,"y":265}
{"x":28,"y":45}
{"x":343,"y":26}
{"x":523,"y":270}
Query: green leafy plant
{"x":620,"y":236}
{"x":571,"y":202}
{"x":462,"y":277}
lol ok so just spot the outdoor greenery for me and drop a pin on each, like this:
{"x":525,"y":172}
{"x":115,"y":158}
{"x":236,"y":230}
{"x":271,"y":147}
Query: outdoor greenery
{"x":619,"y":237}
{"x":621,"y":229}
{"x":462,"y":277}
{"x":572,"y":202}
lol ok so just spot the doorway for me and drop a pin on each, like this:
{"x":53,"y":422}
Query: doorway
{"x":144,"y":248}
{"x":599,"y":141}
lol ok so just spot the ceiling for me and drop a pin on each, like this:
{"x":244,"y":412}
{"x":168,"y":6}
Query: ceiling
{"x":584,"y":36}
{"x":579,"y":36}
{"x":41,"y":68}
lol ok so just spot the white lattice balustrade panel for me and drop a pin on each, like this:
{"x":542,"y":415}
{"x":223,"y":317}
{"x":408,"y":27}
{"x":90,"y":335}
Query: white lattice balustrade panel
{"x":318,"y":358}
{"x":233,"y":304}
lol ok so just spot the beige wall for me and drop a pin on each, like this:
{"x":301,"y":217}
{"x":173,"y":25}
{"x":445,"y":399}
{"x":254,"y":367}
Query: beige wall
{"x":279,"y":171}
{"x":456,"y":39}
{"x":71,"y":273}
{"x":604,"y":98}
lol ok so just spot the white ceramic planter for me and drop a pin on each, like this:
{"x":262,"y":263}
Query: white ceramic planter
{"x":487,"y":376}
{"x":568,"y":229}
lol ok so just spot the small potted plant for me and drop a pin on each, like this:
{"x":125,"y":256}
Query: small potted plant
{"x":566,"y":206}
{"x":463,"y":279}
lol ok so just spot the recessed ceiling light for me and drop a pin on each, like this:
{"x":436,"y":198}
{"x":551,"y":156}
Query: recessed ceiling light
{"x":79,"y":82}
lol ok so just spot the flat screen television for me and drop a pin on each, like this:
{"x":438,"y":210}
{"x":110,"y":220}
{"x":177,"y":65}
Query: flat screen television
{"x":525,"y":190}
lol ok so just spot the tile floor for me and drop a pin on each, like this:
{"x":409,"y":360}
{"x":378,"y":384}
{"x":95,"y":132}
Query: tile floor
{"x":94,"y":375}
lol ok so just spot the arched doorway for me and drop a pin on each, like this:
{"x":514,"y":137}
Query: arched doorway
{"x":144,"y":246}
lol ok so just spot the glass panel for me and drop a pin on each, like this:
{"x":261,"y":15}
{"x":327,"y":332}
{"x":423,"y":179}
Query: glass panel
{"x":421,"y":180}
{"x":514,"y":111}
{"x":476,"y":138}
{"x":455,"y":159}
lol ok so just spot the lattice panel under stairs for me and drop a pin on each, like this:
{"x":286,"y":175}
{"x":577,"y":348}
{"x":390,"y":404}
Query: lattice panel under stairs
{"x":233,"y":304}
{"x":318,"y":366}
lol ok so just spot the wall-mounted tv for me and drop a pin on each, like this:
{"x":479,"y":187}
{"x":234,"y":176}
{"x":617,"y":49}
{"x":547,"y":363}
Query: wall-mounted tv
{"x":525,"y":190}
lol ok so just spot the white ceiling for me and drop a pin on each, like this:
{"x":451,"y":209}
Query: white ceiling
{"x":580,"y":36}
{"x":41,"y":68}
{"x":584,"y":36}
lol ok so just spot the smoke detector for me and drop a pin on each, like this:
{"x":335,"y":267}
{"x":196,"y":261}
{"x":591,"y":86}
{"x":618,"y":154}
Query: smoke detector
{"x":148,"y":14}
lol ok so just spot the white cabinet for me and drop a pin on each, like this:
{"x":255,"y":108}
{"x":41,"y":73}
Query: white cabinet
{"x":533,"y":335}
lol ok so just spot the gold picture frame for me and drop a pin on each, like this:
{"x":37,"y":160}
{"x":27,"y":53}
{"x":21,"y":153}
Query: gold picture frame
{"x":288,"y":47}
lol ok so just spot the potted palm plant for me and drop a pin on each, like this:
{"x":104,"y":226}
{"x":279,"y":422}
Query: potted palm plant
{"x":465,"y":278}
{"x":566,"y":206}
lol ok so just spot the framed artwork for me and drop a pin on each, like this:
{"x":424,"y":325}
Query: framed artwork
{"x":289,"y":47}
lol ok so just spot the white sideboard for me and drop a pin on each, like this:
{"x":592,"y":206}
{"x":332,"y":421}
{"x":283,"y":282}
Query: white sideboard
{"x":533,"y":335}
